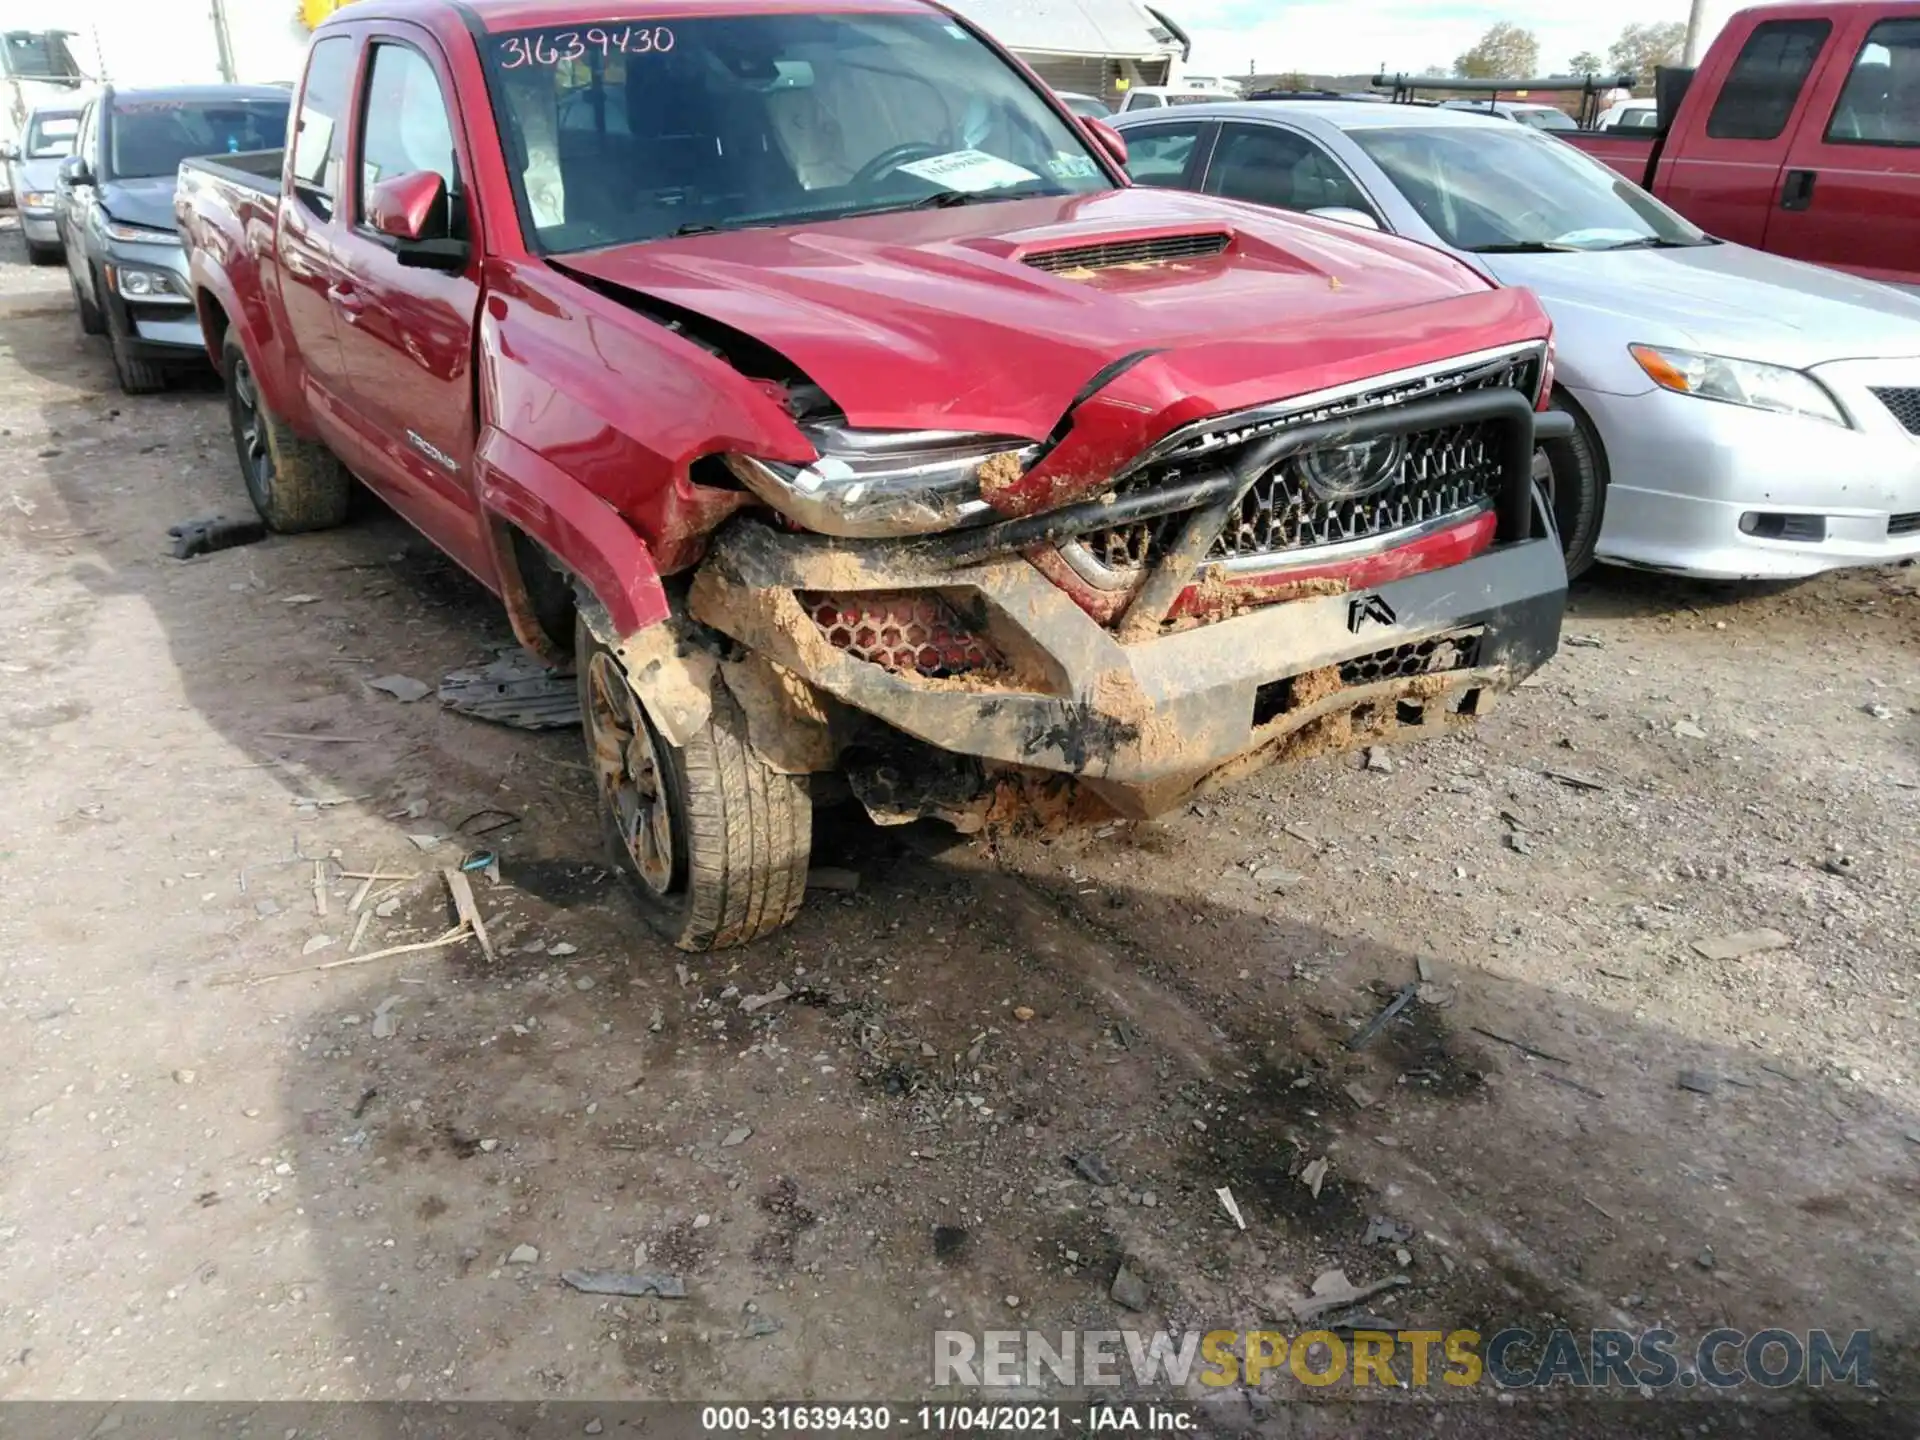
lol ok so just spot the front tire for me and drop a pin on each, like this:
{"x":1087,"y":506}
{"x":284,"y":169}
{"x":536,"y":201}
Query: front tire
{"x":38,"y":254}
{"x":713,"y":840}
{"x":1574,"y":473}
{"x":136,"y":376}
{"x":92,"y":322}
{"x":295,"y":484}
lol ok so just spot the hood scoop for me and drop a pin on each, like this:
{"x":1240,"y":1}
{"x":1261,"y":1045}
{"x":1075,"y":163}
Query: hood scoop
{"x":1145,"y":250}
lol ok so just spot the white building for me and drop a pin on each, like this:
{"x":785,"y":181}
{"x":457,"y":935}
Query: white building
{"x":1093,"y":47}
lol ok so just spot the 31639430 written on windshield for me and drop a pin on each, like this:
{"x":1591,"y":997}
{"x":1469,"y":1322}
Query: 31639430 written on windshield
{"x":622,"y":132}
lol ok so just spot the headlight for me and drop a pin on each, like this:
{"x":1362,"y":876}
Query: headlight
{"x":148,"y":285}
{"x":37,"y":200}
{"x":886,"y":482}
{"x":140,"y":234}
{"x":1738,"y":382}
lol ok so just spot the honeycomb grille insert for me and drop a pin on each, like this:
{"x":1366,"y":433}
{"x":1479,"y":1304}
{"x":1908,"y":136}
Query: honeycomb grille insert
{"x":1905,"y":405}
{"x":900,"y":630}
{"x":1151,"y":251}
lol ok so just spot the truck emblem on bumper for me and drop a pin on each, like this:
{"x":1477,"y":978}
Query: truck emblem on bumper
{"x":1363,"y":608}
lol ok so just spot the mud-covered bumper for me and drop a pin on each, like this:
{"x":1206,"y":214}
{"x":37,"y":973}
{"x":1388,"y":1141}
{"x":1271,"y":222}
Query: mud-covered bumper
{"x":1145,"y":722}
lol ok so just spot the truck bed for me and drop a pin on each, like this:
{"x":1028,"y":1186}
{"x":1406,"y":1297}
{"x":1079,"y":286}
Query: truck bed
{"x":1630,"y":154}
{"x":249,"y":169}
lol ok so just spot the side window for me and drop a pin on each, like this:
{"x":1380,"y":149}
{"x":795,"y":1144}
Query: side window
{"x":319,"y":136}
{"x":405,"y":121}
{"x":1881,"y":102}
{"x":1143,"y":102}
{"x":1270,"y":166}
{"x":1162,"y":154}
{"x":1766,"y":79}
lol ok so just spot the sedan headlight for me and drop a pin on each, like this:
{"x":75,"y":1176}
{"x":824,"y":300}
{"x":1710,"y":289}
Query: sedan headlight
{"x":37,"y":200}
{"x":886,"y":482}
{"x":140,"y":234}
{"x":1738,"y":382}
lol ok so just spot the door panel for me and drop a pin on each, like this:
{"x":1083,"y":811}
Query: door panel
{"x":1170,"y":154}
{"x":1271,"y":164}
{"x":407,"y":334}
{"x":1726,"y":176}
{"x":1850,"y":197}
{"x":307,"y":241}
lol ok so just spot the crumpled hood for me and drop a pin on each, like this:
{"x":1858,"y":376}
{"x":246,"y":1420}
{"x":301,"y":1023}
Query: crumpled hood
{"x":140,"y":202}
{"x":934,"y":320}
{"x":1722,"y":300}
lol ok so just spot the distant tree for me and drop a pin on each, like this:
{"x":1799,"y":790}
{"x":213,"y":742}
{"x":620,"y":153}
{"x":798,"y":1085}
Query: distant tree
{"x":1585,"y":63}
{"x":1437,"y":71}
{"x":1504,"y":51}
{"x":1643,"y":48}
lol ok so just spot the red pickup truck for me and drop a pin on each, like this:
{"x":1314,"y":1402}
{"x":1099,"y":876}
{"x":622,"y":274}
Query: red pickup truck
{"x":812,"y":382}
{"x":1799,"y":134}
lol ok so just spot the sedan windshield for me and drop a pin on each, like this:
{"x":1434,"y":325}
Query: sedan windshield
{"x":49,"y":137}
{"x":148,"y":138}
{"x":621,"y":132}
{"x":1493,"y":188}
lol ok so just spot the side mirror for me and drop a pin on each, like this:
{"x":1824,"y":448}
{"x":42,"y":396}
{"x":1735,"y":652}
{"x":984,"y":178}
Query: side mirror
{"x":1346,"y":215}
{"x":1110,"y":139}
{"x":416,"y":211}
{"x":74,"y":170}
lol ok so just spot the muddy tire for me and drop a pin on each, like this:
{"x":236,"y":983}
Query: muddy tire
{"x":1574,"y":471}
{"x":713,"y":840}
{"x":295,"y":484}
{"x":92,"y":322}
{"x":136,"y":376}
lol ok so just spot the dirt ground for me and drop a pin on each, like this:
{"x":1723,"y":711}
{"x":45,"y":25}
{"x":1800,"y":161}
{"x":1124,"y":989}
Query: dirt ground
{"x":314,"y":1187}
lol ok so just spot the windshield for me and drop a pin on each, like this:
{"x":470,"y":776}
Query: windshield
{"x":147,"y":138}
{"x":622,"y":132}
{"x":51,"y":136}
{"x":1509,"y":188}
{"x":1546,"y":119}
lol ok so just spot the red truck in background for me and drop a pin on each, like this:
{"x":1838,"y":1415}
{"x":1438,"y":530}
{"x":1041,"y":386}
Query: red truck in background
{"x":810,"y":380}
{"x":1799,"y":134}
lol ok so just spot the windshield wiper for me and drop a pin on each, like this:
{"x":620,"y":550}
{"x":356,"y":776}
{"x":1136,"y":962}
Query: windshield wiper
{"x":1656,"y":242}
{"x":1519,"y":247}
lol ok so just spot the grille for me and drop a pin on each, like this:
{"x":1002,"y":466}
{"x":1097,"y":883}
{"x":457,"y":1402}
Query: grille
{"x":1905,"y":405}
{"x":1907,"y":524}
{"x":900,"y":630}
{"x":1445,"y":472}
{"x":1111,"y":253}
{"x":1433,"y":656}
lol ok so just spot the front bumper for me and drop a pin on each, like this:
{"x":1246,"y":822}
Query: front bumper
{"x":40,"y":227}
{"x":1685,"y":471}
{"x":1145,"y":723}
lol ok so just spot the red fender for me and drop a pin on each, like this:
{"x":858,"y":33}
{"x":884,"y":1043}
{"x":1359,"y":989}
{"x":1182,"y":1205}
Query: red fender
{"x":581,"y":531}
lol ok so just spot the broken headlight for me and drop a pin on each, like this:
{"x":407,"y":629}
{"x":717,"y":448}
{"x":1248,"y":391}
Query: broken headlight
{"x":886,"y":482}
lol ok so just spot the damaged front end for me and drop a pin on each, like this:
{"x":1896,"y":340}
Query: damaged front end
{"x":1343,"y":568}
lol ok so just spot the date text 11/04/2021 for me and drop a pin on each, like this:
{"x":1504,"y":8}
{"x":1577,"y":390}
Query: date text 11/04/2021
{"x":955,"y":1419}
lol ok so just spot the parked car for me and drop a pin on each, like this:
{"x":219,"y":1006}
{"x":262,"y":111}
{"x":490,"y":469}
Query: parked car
{"x":1735,"y":415}
{"x":1540,"y":117}
{"x":813,"y":383}
{"x":1630,"y":115}
{"x":124,"y":258}
{"x":1088,"y":105}
{"x":37,"y":71}
{"x":32,"y":174}
{"x":1798,"y":135}
{"x":1157,"y":97}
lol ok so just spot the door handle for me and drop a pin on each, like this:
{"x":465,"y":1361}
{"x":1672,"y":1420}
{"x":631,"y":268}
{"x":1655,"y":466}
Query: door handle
{"x":346,"y":299}
{"x":1796,"y":193}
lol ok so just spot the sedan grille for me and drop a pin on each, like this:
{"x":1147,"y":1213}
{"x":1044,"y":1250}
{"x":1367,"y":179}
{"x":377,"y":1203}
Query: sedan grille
{"x":1907,"y":524}
{"x":1154,"y":249}
{"x":1905,"y":405}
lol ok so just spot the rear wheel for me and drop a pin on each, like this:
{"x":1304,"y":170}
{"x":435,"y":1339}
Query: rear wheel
{"x":714,"y":841}
{"x":1573,"y":473}
{"x":295,"y":484}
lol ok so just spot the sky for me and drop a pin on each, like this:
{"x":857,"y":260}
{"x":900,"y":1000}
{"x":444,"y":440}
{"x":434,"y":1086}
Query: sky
{"x":1349,"y":36}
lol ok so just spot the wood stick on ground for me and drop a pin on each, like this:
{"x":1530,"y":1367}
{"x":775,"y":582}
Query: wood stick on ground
{"x":320,"y":887}
{"x":359,"y":896}
{"x":379,"y":875}
{"x":461,"y":889}
{"x":452,"y":937}
{"x":359,"y":931}
{"x":317,"y":739}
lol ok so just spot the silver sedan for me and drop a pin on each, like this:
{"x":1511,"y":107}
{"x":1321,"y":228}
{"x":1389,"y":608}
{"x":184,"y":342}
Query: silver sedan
{"x":1738,"y":416}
